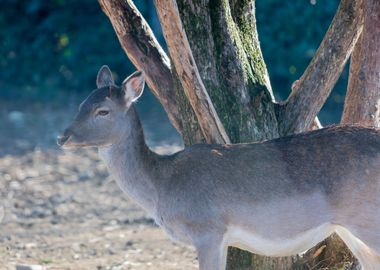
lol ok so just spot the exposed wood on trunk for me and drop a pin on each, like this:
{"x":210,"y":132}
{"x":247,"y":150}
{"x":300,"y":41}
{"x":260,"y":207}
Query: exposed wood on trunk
{"x":142,"y":48}
{"x":187,"y":70}
{"x":362,"y":104}
{"x":316,"y":83}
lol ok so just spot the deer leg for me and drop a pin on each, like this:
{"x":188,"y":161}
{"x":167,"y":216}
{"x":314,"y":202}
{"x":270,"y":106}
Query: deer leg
{"x":368,"y":258}
{"x":211,"y":252}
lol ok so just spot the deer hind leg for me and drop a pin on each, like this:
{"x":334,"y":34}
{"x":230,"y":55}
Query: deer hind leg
{"x":368,"y":256}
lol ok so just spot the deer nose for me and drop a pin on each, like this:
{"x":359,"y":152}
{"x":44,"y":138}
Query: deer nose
{"x":61,"y":139}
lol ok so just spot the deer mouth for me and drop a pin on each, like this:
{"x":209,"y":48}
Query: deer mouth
{"x":62,"y":140}
{"x":67,"y":142}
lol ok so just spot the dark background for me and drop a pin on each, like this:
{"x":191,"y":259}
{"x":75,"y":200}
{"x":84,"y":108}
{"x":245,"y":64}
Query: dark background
{"x":51,"y":52}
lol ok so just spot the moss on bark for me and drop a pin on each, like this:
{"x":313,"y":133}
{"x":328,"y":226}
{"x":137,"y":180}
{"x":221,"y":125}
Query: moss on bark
{"x":233,"y":71}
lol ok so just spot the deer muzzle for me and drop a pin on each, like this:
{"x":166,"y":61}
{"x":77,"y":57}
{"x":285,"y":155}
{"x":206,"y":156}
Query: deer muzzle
{"x":62,"y":139}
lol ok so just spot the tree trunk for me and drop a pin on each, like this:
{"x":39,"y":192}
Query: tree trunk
{"x":224,"y":42}
{"x":217,"y":89}
{"x":362,"y":104}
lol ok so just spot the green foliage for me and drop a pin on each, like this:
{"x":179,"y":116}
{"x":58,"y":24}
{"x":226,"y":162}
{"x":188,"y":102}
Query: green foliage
{"x":53,"y":46}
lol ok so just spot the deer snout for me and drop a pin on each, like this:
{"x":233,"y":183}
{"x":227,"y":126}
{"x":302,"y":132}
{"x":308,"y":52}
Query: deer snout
{"x":63,"y":138}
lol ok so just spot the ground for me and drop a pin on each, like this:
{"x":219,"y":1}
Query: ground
{"x":62,"y":210}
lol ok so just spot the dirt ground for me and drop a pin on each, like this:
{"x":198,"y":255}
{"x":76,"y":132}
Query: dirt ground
{"x":61,"y":210}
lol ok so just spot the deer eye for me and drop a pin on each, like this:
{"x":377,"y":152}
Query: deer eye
{"x":102,"y":112}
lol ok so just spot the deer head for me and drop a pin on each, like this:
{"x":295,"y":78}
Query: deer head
{"x":101,"y":120}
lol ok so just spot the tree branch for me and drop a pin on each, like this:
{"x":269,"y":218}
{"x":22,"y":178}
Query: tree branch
{"x":315,"y":85}
{"x":362,"y":104}
{"x":187,"y":70}
{"x":142,"y":48}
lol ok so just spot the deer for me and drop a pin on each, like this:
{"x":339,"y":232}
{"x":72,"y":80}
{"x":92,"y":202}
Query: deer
{"x":276,"y":197}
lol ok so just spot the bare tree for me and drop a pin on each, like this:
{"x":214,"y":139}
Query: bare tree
{"x":215,"y":87}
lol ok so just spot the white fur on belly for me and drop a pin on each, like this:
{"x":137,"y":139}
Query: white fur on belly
{"x":247,"y":240}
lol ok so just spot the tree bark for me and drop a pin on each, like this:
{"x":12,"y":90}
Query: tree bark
{"x":311,"y":91}
{"x":182,"y":56}
{"x":362,"y":104}
{"x":223,"y":39}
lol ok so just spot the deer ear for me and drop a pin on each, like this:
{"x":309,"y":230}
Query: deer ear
{"x":133,"y":86}
{"x":104,"y":77}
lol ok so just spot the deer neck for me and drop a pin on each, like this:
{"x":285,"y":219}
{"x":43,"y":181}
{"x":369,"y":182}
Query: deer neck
{"x":131,"y":163}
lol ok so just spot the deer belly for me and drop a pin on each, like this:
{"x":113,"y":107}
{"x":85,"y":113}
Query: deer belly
{"x":285,"y":246}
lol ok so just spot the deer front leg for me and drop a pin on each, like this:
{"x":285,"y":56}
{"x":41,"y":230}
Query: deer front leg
{"x":211,"y":252}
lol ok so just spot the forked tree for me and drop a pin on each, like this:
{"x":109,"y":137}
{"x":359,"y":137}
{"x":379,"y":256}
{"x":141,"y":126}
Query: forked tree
{"x":215,"y":87}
